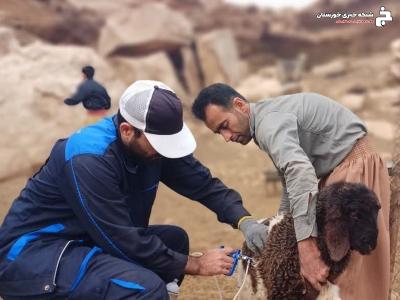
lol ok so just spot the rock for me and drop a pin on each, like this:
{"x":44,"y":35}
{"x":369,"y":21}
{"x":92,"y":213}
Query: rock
{"x":332,"y":69}
{"x":191,"y":71}
{"x":52,"y":20}
{"x":256,"y":87}
{"x":219,"y":58}
{"x":395,"y":48}
{"x":357,"y":88}
{"x":395,"y":70}
{"x":104,"y":8}
{"x":291,"y":88}
{"x":268,"y":72}
{"x":385,"y":97}
{"x":291,"y":70}
{"x":381,"y":129}
{"x":35,"y":81}
{"x":244,"y":68}
{"x":156,"y":66}
{"x":395,"y":65}
{"x":8,"y":42}
{"x":394,"y":296}
{"x":354,"y":102}
{"x":148,"y":28}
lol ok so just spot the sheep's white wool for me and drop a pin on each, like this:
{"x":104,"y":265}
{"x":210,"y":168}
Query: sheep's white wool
{"x":329,"y":291}
{"x":275,"y":220}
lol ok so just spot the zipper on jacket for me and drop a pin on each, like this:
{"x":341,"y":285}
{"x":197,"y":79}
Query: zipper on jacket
{"x":59,"y":260}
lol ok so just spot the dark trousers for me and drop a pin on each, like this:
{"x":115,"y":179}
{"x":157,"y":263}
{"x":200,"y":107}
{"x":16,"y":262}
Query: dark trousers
{"x":108,"y":277}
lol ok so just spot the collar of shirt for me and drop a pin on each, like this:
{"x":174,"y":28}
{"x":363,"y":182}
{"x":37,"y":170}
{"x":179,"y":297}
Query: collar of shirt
{"x":252,"y":119}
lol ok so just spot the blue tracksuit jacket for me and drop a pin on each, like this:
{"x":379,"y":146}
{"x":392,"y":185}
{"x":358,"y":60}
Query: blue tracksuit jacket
{"x":89,"y":190}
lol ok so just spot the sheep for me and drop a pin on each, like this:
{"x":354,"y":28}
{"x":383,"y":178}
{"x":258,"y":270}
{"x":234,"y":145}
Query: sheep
{"x":346,"y":215}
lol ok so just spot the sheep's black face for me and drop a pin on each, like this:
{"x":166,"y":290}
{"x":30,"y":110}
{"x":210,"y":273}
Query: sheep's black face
{"x":350,"y":213}
{"x":363,"y":224}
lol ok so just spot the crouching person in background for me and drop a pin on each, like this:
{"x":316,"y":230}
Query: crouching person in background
{"x":80,"y":227}
{"x":93,"y":96}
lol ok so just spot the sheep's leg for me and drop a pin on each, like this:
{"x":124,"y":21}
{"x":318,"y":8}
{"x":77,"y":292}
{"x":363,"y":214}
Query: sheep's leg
{"x":329,"y":291}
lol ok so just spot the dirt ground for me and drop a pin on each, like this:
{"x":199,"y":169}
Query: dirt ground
{"x":240,"y":167}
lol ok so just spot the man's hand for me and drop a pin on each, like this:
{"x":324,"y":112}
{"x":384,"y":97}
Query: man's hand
{"x":212,"y":262}
{"x":255,"y":234}
{"x":312,"y":267}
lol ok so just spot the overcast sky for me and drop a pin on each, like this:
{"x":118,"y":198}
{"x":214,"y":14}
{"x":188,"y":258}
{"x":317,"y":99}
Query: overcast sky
{"x":277,"y":4}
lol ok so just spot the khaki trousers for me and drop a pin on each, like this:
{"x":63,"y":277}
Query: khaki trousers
{"x":366,"y":277}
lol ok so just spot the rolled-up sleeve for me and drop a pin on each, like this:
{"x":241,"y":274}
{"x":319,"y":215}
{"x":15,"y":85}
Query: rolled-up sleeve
{"x":277,"y":134}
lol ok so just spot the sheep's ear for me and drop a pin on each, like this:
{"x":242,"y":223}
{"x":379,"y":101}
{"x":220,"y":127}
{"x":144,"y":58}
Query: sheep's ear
{"x":337,"y":239}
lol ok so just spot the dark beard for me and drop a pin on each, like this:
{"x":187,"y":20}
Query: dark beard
{"x":136,"y":154}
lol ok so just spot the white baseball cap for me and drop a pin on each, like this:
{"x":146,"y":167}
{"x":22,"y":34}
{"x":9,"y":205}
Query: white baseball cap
{"x":153,"y":107}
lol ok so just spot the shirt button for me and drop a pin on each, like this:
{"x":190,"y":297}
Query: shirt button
{"x":47,"y":287}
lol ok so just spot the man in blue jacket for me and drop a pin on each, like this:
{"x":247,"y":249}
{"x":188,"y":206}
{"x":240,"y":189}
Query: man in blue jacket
{"x":80,"y":227}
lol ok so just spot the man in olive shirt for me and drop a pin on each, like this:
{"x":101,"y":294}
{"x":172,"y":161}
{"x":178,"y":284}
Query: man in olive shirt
{"x":313,"y":141}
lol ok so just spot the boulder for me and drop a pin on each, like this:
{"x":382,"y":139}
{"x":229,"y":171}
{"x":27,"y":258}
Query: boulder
{"x":385,"y":98}
{"x":8,"y":41}
{"x":219,"y":57}
{"x":156,"y":66}
{"x":395,"y":48}
{"x":395,"y":70}
{"x":354,"y":102}
{"x":256,"y":87}
{"x":394,"y":295}
{"x":52,"y":20}
{"x":381,"y":129}
{"x":331,"y":69}
{"x":293,"y":87}
{"x":148,"y":28}
{"x":104,"y":8}
{"x":291,"y":70}
{"x":269,"y":72}
{"x":35,"y":81}
{"x":191,"y":71}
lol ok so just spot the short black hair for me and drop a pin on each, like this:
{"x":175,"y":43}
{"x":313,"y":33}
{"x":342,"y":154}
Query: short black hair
{"x":219,"y":94}
{"x":88,"y":71}
{"x":121,"y":119}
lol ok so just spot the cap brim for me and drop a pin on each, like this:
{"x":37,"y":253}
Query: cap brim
{"x":174,"y":145}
